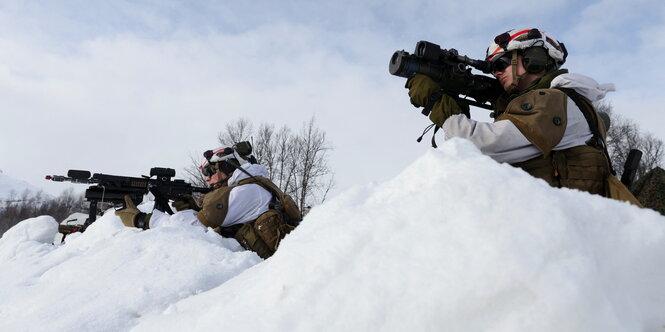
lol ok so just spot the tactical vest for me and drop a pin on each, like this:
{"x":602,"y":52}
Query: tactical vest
{"x":262,"y":235}
{"x":541,"y":115}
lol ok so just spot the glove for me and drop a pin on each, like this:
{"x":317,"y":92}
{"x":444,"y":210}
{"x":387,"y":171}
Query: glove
{"x":446,"y":107}
{"x":130,"y":215}
{"x":185,"y":202}
{"x":420,"y":88}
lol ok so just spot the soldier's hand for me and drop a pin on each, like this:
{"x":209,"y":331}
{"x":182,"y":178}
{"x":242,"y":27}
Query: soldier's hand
{"x":185,"y":202}
{"x":130,"y":214}
{"x":446,"y":107}
{"x":421,"y":88}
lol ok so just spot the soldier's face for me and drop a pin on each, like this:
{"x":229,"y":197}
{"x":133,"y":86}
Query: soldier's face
{"x":216,"y":178}
{"x":506,"y":78}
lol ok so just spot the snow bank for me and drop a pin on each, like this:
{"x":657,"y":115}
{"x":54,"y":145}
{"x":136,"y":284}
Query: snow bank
{"x":456,"y":242}
{"x":31,"y":237}
{"x":109,"y":277}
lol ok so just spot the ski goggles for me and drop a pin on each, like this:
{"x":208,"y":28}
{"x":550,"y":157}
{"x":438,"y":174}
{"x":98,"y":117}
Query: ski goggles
{"x":209,"y":170}
{"x":502,"y":63}
{"x":214,"y":158}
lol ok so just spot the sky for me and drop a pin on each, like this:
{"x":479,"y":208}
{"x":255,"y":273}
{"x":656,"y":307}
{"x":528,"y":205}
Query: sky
{"x":378,"y":257}
{"x":120,"y":87}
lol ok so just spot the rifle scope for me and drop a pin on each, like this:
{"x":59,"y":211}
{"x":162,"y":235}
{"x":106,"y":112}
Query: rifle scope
{"x":162,"y":172}
{"x":429,"y":59}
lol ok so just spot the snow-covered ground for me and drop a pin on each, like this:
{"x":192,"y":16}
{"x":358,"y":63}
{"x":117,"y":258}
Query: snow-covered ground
{"x":456,"y":242}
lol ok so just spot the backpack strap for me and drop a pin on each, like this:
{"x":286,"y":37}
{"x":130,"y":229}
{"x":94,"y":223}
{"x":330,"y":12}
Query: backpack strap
{"x":259,"y":180}
{"x":589,"y":112}
{"x":281,"y":201}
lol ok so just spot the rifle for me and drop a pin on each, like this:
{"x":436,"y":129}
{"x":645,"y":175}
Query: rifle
{"x":112,"y":189}
{"x":451,"y":71}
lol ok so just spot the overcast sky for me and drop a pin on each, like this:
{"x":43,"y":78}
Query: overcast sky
{"x":122,"y":86}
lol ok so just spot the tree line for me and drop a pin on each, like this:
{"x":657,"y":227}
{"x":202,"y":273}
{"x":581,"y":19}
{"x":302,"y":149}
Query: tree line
{"x":30,"y":204}
{"x":623,"y":135}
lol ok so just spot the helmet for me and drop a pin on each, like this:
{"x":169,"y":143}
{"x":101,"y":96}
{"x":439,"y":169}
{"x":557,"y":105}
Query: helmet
{"x":226,"y":159}
{"x":523,"y":39}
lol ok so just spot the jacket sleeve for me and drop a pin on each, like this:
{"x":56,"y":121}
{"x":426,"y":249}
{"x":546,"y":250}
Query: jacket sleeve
{"x":501,"y":140}
{"x":523,"y":133}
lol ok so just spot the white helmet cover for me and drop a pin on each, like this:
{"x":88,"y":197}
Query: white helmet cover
{"x":221,"y":154}
{"x":520,"y":39}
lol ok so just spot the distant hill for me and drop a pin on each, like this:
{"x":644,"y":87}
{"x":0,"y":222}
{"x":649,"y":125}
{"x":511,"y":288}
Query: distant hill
{"x":13,"y":187}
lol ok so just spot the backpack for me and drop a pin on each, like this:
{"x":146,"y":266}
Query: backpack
{"x":283,"y":202}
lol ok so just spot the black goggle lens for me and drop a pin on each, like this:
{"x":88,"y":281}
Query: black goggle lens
{"x":501,"y":63}
{"x":209,"y":170}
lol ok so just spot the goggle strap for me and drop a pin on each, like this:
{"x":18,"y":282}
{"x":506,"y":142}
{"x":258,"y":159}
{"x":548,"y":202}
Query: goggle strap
{"x":516,"y":78}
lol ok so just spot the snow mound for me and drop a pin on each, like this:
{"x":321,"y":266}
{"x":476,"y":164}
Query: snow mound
{"x":28,"y":238}
{"x":456,"y":242}
{"x":107,"y":278}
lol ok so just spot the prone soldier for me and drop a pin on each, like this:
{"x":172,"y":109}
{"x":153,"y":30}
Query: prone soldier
{"x":244,"y":203}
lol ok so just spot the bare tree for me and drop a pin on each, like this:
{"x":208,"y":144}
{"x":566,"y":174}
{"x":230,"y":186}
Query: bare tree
{"x":311,"y":150}
{"x":193,"y":173}
{"x":624,"y":135}
{"x":238,"y":131}
{"x":652,"y":149}
{"x":286,"y":161}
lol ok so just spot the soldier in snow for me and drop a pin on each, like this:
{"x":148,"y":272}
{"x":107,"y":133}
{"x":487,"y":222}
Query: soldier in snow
{"x":244,"y":203}
{"x":545,"y":122}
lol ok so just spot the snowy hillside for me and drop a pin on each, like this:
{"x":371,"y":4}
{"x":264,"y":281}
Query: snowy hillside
{"x":9,"y":185}
{"x":456,"y":242}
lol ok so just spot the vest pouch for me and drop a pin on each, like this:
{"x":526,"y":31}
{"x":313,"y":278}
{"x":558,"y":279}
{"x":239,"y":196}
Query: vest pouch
{"x":264,"y":234}
{"x":582,"y":167}
{"x":618,"y":191}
